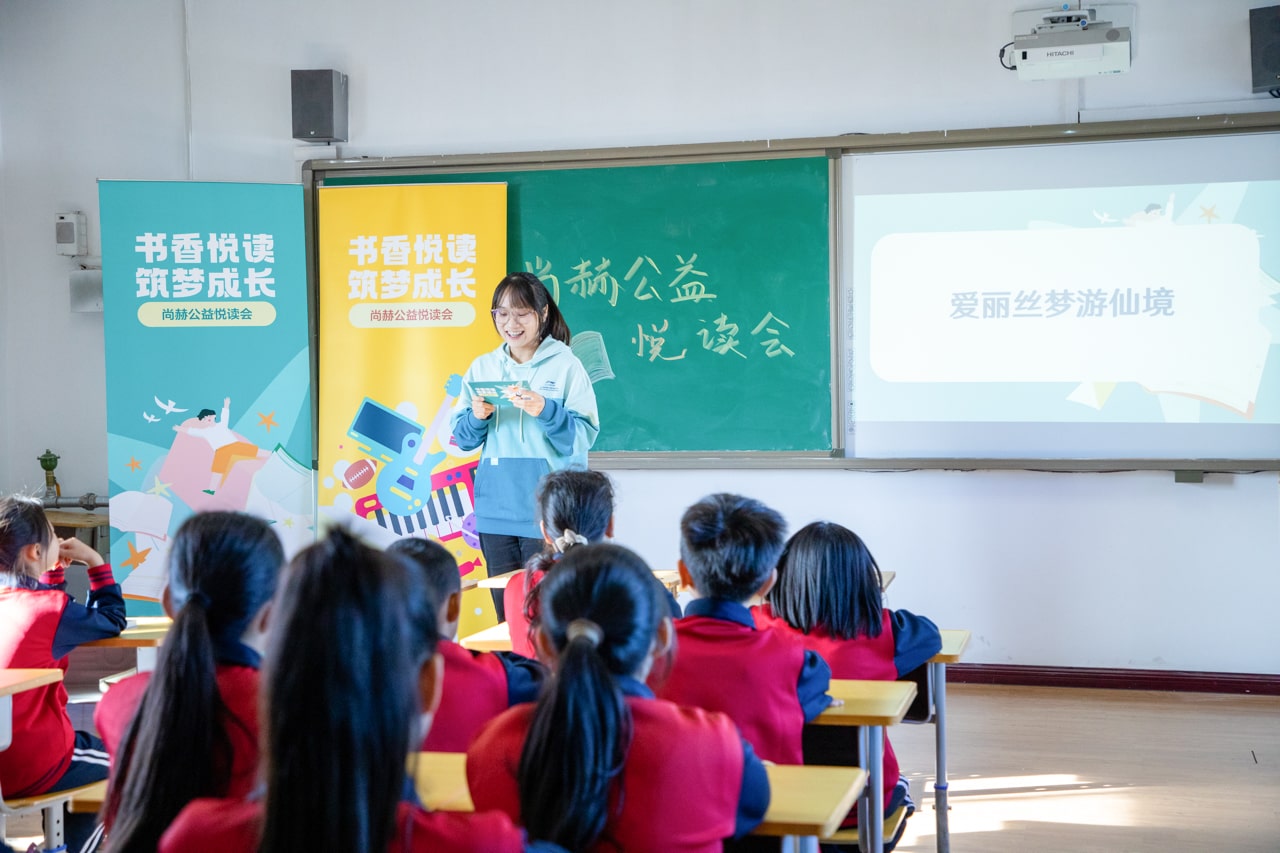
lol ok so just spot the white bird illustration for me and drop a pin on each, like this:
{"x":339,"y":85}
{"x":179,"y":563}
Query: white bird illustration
{"x":149,"y":418}
{"x":169,"y":407}
{"x":1103,"y":218}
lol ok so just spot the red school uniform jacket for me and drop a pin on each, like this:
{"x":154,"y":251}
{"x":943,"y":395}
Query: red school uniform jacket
{"x":722,"y":664}
{"x":686,"y":756}
{"x":478,"y":686}
{"x":864,"y":657}
{"x":233,"y":826}
{"x":238,"y":688}
{"x":28,"y":620}
{"x":517,"y":619}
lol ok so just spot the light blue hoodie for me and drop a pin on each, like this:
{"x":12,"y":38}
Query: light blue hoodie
{"x":518,"y":450}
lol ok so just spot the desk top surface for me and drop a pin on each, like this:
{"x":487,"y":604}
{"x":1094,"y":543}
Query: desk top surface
{"x":142,"y":632}
{"x":667,"y":577}
{"x":868,"y":703}
{"x":495,"y":638}
{"x":16,"y":680}
{"x":805,"y":800}
{"x":954,"y":642}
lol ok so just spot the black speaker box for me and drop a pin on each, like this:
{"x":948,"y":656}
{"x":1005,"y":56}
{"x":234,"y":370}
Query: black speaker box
{"x":1264,"y":47}
{"x":319,"y":105}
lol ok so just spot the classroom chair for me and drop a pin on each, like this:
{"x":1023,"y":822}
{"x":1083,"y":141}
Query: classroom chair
{"x":52,"y":805}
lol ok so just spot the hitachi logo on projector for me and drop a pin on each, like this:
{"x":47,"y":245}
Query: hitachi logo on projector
{"x":1072,"y":53}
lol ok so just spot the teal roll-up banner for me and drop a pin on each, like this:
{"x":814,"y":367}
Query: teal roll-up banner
{"x":208,"y":367}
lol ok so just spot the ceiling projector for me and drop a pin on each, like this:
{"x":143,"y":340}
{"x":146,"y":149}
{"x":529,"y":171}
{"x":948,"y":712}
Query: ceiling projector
{"x":1063,"y":42}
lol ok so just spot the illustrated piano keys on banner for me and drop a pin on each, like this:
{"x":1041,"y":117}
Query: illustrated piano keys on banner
{"x":442,"y":515}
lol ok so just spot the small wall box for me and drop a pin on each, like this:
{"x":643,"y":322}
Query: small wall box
{"x":69,"y":234}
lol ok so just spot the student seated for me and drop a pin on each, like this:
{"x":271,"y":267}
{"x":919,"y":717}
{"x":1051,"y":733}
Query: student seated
{"x":574,"y":507}
{"x":828,"y":597}
{"x":599,"y":764}
{"x":190,"y":728}
{"x":350,"y":680}
{"x":39,"y":626}
{"x":477,"y":685}
{"x":766,"y":681}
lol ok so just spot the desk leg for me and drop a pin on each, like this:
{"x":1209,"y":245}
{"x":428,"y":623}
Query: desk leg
{"x":864,"y":799}
{"x":940,"y":757}
{"x":6,"y":724}
{"x":875,"y":835}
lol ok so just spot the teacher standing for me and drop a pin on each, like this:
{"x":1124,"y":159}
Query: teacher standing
{"x":550,"y":423}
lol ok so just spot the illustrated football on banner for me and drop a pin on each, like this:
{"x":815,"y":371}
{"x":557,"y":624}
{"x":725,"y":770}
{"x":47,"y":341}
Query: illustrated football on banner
{"x":208,"y":366}
{"x":406,"y":278}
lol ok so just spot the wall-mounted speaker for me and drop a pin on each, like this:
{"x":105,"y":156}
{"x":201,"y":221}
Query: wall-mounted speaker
{"x":1264,"y":47}
{"x":319,"y":105}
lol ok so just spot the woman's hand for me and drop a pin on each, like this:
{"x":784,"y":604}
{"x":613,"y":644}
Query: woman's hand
{"x":531,"y":402}
{"x":480,"y":408}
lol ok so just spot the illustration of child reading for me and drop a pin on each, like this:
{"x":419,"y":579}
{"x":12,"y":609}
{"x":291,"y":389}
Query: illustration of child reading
{"x":229,"y":447}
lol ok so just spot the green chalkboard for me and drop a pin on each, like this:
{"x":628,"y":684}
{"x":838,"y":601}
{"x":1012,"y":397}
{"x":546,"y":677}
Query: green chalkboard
{"x":706,"y":284}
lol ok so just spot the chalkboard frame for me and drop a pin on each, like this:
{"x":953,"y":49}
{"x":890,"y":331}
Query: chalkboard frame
{"x":314,"y":172}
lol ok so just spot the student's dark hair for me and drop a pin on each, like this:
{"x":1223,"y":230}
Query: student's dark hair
{"x":526,"y":290}
{"x":571,"y":499}
{"x":581,"y":729}
{"x":204,"y":413}
{"x":730,"y":544}
{"x":352,"y":628}
{"x":828,"y":579}
{"x":223,"y":568}
{"x":22,"y":523}
{"x":435,"y":566}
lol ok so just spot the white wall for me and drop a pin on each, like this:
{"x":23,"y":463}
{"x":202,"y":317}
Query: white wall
{"x":1089,"y":569}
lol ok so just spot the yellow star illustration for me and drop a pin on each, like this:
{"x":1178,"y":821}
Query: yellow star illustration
{"x":288,"y":522}
{"x":136,"y":557}
{"x":160,"y":488}
{"x":133,"y":464}
{"x":1210,"y":213}
{"x":268,"y":420}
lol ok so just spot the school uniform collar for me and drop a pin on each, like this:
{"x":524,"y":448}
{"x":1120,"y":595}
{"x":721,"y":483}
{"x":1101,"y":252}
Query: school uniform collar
{"x":235,"y":653}
{"x":721,"y":608}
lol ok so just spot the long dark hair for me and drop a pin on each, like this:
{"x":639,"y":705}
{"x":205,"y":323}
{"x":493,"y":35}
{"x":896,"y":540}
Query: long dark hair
{"x":827,"y":578}
{"x":601,"y":609}
{"x":526,"y":290}
{"x":223,"y":568}
{"x":353,"y":628}
{"x":572,"y":499}
{"x":22,"y":523}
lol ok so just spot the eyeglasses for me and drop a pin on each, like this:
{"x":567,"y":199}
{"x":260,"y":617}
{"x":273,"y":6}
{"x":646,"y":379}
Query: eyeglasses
{"x":502,"y":315}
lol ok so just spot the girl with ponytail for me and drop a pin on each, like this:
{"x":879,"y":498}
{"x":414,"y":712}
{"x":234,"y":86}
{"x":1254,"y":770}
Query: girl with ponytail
{"x":598,"y":759}
{"x":574,"y":507}
{"x":351,"y":678}
{"x":190,"y":728}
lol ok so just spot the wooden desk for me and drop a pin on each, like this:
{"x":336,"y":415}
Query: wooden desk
{"x":871,"y":705}
{"x":493,"y":639}
{"x":669,"y":579}
{"x":15,"y":681}
{"x":144,"y":633}
{"x":954,"y":642}
{"x":805,"y":801}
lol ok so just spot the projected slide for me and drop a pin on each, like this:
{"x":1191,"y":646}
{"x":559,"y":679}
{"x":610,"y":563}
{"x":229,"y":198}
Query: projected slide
{"x":1082,"y":322}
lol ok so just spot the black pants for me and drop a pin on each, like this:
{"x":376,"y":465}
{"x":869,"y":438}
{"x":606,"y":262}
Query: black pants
{"x":506,"y":554}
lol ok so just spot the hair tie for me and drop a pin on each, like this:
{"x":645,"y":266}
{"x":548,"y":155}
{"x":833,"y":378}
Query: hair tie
{"x":593,"y":633}
{"x":567,"y":539}
{"x":198,"y":597}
